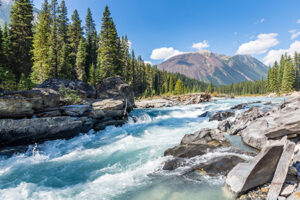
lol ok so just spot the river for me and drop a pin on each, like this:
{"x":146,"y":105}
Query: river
{"x":119,"y":163}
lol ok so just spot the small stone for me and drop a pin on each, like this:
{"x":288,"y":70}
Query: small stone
{"x":287,"y":190}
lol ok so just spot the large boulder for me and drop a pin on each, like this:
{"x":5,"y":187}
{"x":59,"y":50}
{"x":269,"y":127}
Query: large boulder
{"x":29,"y":131}
{"x":217,"y":166}
{"x":83,"y":89}
{"x":15,"y":107}
{"x":221,"y":115}
{"x":115,"y":88}
{"x":198,"y":143}
{"x":260,"y":170}
{"x":40,"y":98}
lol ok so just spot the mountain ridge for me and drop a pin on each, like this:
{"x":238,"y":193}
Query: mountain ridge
{"x":221,"y":69}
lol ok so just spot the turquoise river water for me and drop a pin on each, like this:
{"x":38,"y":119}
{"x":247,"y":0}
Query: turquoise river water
{"x":119,"y":163}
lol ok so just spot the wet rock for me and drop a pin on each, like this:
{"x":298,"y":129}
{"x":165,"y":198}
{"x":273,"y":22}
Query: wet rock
{"x":115,"y":88}
{"x":103,"y":124}
{"x":260,"y":170}
{"x":29,"y":131}
{"x":243,"y":105}
{"x":268,"y":103}
{"x":75,"y":110}
{"x":83,"y":89}
{"x":174,"y":164}
{"x":198,"y":143}
{"x":219,"y":165}
{"x":205,"y":114}
{"x":15,"y":107}
{"x":224,"y":126}
{"x":221,"y":115}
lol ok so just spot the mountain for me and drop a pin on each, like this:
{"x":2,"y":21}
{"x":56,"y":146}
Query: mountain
{"x":221,"y":69}
{"x":5,"y":11}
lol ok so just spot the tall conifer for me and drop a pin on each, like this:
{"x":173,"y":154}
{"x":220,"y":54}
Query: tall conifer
{"x":21,"y":35}
{"x":109,"y":50}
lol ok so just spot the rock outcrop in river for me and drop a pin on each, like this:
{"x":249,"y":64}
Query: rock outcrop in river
{"x":272,"y":174}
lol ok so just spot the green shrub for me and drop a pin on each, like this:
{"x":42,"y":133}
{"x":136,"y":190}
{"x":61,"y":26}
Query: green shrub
{"x":69,"y":96}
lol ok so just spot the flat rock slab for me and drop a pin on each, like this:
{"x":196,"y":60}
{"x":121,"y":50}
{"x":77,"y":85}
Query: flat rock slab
{"x":108,"y":104}
{"x":288,"y":190}
{"x":75,"y":110}
{"x":15,"y":107}
{"x":281,"y":171}
{"x":258,"y":171}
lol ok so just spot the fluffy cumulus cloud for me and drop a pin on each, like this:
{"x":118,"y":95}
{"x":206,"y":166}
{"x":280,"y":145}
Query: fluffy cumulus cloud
{"x":200,"y":45}
{"x":164,"y":53}
{"x":294,"y":34}
{"x":274,"y":55}
{"x":260,"y":45}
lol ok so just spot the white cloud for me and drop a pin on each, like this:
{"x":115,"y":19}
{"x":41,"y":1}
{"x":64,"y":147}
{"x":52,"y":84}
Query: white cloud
{"x":164,"y":53}
{"x":260,"y":45}
{"x":298,"y":21}
{"x":274,"y":55}
{"x":200,"y":45}
{"x":148,"y":62}
{"x":294,"y":34}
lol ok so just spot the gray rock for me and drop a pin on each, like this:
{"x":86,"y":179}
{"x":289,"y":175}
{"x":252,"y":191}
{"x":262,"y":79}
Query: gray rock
{"x":75,"y":110}
{"x":54,"y":113}
{"x":295,"y":195}
{"x":258,"y":171}
{"x":243,"y":105}
{"x":15,"y":107}
{"x":109,"y":104}
{"x":224,"y":126}
{"x":103,"y":124}
{"x":98,"y":114}
{"x":40,"y":98}
{"x":115,"y":88}
{"x":174,"y":164}
{"x":218,"y":166}
{"x":243,"y":119}
{"x":281,"y":172}
{"x":29,"y":131}
{"x":221,"y":115}
{"x":83,"y":89}
{"x":198,"y":143}
{"x":205,"y":114}
{"x":288,"y":190}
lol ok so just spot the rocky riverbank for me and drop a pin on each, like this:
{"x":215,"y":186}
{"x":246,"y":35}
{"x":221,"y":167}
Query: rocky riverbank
{"x":168,"y":101}
{"x":274,"y":173}
{"x":46,"y":112}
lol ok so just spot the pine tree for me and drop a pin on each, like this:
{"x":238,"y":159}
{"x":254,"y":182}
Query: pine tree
{"x":109,"y":50}
{"x":6,"y":48}
{"x":41,"y":46}
{"x":179,"y":87}
{"x":171,"y":85}
{"x":65,"y":68}
{"x":289,"y":78}
{"x":53,"y":52}
{"x":91,"y":43}
{"x":75,"y":35}
{"x":63,"y":23}
{"x":210,"y":87}
{"x":125,"y":58}
{"x":21,"y":35}
{"x":81,"y":61}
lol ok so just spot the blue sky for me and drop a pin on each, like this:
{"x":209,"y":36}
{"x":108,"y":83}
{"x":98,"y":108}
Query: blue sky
{"x":159,"y":29}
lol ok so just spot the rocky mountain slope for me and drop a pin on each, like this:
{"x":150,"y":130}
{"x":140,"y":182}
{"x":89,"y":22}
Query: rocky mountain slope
{"x":221,"y":69}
